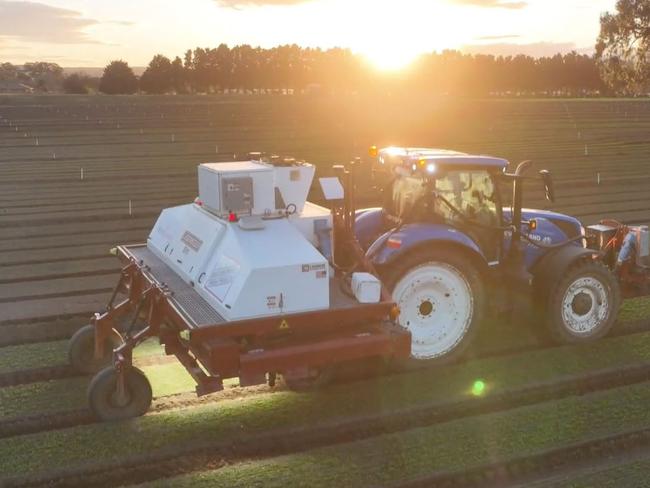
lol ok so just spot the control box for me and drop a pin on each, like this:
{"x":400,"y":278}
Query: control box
{"x":243,"y":188}
{"x":598,"y":235}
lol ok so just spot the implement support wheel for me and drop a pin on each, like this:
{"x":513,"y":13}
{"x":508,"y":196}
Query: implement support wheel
{"x":108,"y":403}
{"x":81,"y":350}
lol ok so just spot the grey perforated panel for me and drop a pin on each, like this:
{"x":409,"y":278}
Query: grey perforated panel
{"x":183,"y":296}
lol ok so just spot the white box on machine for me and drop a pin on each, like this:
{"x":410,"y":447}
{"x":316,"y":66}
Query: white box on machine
{"x":305,"y":221}
{"x":217,"y":180}
{"x":294,"y":182}
{"x":268,"y":270}
{"x":366,"y":288}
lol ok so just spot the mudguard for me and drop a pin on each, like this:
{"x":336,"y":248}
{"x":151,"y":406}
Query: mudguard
{"x":391,"y":245}
{"x":368,"y":224}
{"x":551,"y":267}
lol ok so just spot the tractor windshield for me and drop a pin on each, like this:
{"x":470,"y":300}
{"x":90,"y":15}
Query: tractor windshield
{"x":471,"y":192}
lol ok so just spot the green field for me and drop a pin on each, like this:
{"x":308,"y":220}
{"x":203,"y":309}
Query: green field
{"x":70,"y":168}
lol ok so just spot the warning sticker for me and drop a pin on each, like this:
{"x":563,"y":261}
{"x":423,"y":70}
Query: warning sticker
{"x":272,"y":301}
{"x":192,"y":241}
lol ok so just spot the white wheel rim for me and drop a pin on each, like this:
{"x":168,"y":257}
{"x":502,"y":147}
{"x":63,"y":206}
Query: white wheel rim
{"x":436,"y":306}
{"x":585,"y":305}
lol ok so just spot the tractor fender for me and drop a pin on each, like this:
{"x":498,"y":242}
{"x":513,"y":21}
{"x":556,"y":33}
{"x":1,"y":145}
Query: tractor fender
{"x":391,"y":245}
{"x":550,"y":267}
{"x":368,"y":224}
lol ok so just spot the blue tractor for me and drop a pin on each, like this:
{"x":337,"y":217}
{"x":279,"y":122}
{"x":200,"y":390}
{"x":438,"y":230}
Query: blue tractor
{"x":450,"y":248}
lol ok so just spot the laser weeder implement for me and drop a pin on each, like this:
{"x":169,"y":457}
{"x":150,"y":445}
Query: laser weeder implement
{"x":242,"y":283}
{"x":252,"y":281}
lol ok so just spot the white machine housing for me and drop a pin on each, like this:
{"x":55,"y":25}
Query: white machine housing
{"x":262,"y":264}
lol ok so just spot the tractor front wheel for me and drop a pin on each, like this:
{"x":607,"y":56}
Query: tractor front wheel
{"x":81,"y":350}
{"x":109,"y":403}
{"x":584,"y":303}
{"x":441,"y":297}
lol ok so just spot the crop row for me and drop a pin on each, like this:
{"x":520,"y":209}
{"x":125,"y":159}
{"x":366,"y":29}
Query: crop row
{"x":244,"y":420}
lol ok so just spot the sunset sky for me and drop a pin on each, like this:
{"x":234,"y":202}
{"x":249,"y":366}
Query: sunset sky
{"x":389,"y":33}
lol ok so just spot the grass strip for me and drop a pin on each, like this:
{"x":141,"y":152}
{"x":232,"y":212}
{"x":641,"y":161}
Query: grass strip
{"x":58,"y":395}
{"x":635,"y":309}
{"x":233,"y":419}
{"x":29,"y":356}
{"x":70,"y":393}
{"x":630,"y":473}
{"x":452,"y":446}
{"x":55,"y":353}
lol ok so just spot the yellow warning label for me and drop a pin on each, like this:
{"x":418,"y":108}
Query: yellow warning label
{"x":284,"y":324}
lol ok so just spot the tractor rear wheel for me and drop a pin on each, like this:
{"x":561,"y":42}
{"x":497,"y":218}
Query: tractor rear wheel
{"x":584,"y":303}
{"x":441,"y":298}
{"x":81,"y":350}
{"x":108,"y":404}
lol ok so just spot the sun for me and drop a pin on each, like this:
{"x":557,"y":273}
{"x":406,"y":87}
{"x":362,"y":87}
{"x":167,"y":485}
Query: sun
{"x":389,"y":57}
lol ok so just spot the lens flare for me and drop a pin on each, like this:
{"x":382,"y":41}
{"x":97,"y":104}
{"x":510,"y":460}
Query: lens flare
{"x":478,"y":388}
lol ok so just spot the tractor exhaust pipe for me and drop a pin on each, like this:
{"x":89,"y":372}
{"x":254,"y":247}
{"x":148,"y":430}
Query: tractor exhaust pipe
{"x":516,"y":273}
{"x":518,"y":198}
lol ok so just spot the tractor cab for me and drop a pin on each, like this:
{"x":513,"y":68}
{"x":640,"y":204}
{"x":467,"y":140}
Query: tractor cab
{"x":445,"y":187}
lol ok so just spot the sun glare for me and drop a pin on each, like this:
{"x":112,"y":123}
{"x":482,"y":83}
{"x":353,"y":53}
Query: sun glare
{"x":389,"y":58}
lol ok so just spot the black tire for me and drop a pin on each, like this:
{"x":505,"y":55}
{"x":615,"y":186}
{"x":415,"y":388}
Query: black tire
{"x":318,"y":378}
{"x":106,"y":406}
{"x":555,"y":320}
{"x":461,"y":264}
{"x":81,"y":350}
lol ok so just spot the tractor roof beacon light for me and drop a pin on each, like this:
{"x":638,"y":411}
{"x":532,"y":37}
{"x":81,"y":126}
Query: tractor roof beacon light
{"x":373,"y":152}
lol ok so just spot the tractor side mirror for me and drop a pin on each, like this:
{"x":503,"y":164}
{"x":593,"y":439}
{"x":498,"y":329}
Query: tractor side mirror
{"x":548,"y":185}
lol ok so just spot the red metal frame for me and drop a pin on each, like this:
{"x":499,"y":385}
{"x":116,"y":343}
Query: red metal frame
{"x":247,"y":349}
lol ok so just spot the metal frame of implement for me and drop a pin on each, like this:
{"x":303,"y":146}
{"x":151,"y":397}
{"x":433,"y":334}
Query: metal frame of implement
{"x":248,"y":349}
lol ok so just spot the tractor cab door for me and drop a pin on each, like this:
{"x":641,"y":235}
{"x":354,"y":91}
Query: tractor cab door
{"x":475,"y":194}
{"x":472,"y":192}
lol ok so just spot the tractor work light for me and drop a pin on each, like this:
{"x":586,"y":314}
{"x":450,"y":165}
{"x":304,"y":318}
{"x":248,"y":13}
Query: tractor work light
{"x":431,"y":168}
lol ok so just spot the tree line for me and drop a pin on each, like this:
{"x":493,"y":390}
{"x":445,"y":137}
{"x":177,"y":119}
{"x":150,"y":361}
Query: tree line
{"x":620,"y":66}
{"x":225,"y":69}
{"x":295,"y":69}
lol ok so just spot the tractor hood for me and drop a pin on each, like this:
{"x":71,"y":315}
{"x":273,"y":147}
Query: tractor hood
{"x":570,"y":226}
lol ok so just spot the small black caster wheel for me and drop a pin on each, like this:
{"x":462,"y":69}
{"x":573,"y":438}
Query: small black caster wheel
{"x":109,"y":404}
{"x":81,"y":350}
